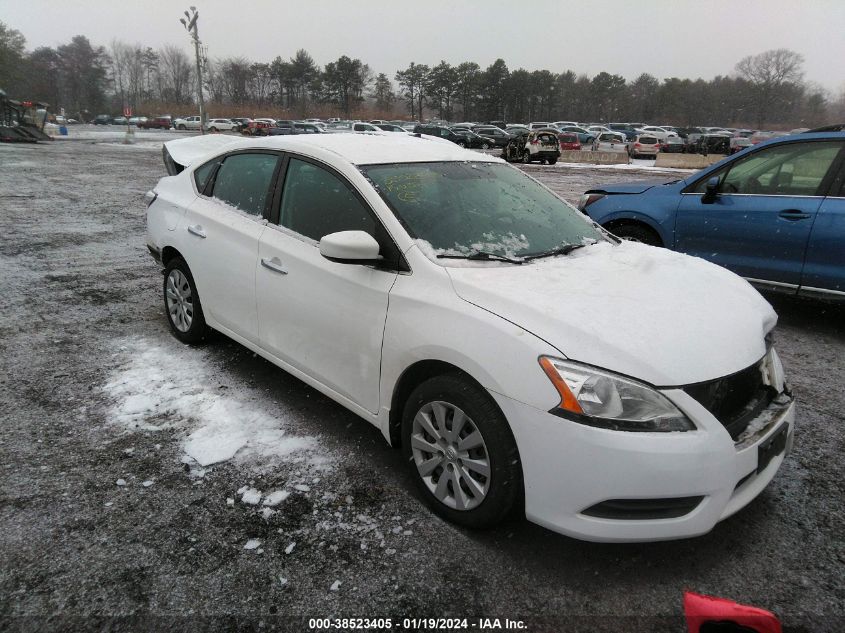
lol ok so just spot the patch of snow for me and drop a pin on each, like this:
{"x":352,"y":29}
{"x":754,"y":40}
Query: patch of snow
{"x":290,"y":547}
{"x":276,"y":497}
{"x":252,"y":543}
{"x":149,"y":395}
{"x":283,"y":581}
{"x":147,"y":483}
{"x":121,"y":482}
{"x":266,"y":513}
{"x":335,"y":585}
{"x":251,"y":496}
{"x":230,"y":502}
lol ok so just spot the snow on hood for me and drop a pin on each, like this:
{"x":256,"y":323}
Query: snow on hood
{"x":665,"y":318}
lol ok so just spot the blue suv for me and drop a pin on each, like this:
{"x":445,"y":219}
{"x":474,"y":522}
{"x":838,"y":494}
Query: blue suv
{"x":773,"y":213}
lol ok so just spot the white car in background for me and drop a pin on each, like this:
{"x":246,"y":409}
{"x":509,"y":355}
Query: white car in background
{"x":659,"y":132}
{"x":187,"y":123}
{"x":221,"y":125}
{"x":610,"y":142}
{"x":523,"y":359}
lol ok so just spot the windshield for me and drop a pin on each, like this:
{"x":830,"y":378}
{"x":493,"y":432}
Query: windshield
{"x":460,"y":208}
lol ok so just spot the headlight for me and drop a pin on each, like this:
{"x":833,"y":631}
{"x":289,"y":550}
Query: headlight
{"x":589,"y":198}
{"x":602,"y":399}
{"x":772,"y":370}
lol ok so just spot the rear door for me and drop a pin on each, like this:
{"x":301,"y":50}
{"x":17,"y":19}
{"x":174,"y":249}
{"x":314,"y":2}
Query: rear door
{"x":759,"y":224}
{"x":324,"y":318}
{"x":222,"y":227}
{"x":824,"y":265}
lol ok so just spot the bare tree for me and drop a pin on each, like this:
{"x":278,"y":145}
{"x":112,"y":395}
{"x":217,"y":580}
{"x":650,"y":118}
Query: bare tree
{"x":175,"y":74}
{"x":771,"y":74}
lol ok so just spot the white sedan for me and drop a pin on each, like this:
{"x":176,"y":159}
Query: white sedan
{"x":221,"y":125}
{"x":523,"y":359}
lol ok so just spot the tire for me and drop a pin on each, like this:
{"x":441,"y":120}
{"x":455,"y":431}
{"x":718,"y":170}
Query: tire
{"x":634,"y":232}
{"x":181,"y":127}
{"x":491,"y":489}
{"x":485,"y":146}
{"x":213,"y":129}
{"x":462,"y":144}
{"x":552,"y":161}
{"x":526,"y":157}
{"x":182,"y":303}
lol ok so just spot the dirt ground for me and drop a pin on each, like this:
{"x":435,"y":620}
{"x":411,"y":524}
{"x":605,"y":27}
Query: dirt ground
{"x":106,"y":525}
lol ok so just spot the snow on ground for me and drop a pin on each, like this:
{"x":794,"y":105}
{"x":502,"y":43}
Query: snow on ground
{"x":216,"y":425}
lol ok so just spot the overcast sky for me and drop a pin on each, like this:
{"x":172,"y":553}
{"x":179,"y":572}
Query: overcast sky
{"x":681,"y":38}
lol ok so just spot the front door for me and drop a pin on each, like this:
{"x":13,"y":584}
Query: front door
{"x":324,"y":318}
{"x":759,"y":223}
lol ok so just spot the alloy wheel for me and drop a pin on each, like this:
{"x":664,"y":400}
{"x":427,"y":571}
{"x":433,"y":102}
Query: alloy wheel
{"x":180,"y":305}
{"x":450,"y":455}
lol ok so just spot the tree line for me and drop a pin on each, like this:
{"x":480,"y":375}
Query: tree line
{"x":764,"y":90}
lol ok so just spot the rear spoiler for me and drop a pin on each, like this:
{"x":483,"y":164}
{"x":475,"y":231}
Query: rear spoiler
{"x":183,"y":152}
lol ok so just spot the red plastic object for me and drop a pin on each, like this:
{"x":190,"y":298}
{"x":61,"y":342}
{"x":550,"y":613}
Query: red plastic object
{"x":701,"y":610}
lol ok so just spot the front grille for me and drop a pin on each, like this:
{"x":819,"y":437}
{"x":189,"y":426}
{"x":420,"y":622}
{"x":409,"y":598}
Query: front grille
{"x":734,"y":400}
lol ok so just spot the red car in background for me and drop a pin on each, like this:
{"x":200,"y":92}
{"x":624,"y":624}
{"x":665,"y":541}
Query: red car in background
{"x":569,"y":141}
{"x":258,"y":127}
{"x":156,"y":123}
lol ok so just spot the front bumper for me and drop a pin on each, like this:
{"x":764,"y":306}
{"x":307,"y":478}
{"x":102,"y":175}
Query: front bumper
{"x":569,"y":468}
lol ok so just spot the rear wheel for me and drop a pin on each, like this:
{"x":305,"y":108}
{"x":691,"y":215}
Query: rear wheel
{"x":182,"y":303}
{"x":552,"y":161}
{"x":485,"y":146}
{"x":182,"y":127}
{"x":462,"y":143}
{"x":461,"y":450}
{"x":213,"y":129}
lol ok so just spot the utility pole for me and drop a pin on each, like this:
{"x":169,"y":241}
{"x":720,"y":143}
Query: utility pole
{"x":191,"y":26}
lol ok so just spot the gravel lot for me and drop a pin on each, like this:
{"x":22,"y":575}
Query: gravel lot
{"x":84,"y":338}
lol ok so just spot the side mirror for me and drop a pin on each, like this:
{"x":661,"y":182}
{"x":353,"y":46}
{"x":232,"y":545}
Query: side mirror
{"x":350,"y":247}
{"x":711,"y":191}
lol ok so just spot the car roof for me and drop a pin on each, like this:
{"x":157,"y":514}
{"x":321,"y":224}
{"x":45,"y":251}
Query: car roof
{"x":362,"y":148}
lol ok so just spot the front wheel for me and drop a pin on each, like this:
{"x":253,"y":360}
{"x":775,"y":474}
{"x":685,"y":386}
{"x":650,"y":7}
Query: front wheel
{"x":213,"y":129}
{"x":526,"y":157}
{"x":485,"y":146}
{"x":552,"y":161}
{"x":182,"y":303}
{"x":461,"y":144}
{"x":636,"y":233}
{"x":462,"y":453}
{"x":182,"y":127}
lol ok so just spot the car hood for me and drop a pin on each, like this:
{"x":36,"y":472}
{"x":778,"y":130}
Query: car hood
{"x":659,"y":316}
{"x":627,"y":187}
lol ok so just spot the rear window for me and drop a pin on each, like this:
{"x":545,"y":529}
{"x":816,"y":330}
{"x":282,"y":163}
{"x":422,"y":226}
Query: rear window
{"x":243,"y":181}
{"x":648,"y":140}
{"x":568,"y":138}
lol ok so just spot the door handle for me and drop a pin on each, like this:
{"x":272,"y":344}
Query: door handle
{"x":793,"y":214}
{"x":274,"y":264}
{"x":196,"y":229}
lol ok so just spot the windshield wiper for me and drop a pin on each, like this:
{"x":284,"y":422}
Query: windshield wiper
{"x":484,"y":256}
{"x":560,"y":250}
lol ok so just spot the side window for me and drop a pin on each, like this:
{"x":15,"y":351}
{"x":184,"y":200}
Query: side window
{"x":315,"y":203}
{"x":203,"y":173}
{"x":795,"y":169}
{"x":243,"y":181}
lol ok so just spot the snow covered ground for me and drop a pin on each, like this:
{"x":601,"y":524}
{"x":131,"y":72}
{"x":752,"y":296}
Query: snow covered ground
{"x":143,"y":477}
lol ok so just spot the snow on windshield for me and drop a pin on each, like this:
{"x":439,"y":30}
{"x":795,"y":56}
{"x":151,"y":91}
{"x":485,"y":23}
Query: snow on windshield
{"x":461,"y":208}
